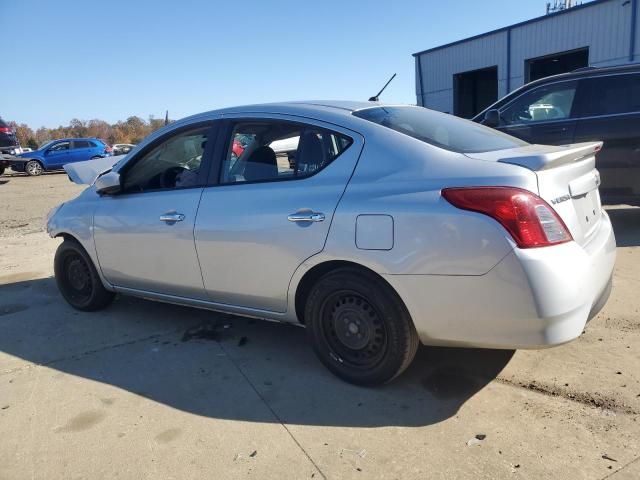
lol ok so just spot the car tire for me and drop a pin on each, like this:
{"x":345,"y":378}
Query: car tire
{"x":359,"y":327}
{"x":1,"y":171}
{"x":78,"y":280}
{"x":95,"y":156}
{"x":33,"y":168}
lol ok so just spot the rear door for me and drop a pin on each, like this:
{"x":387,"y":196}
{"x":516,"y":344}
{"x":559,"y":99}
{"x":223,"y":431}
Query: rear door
{"x":80,"y":151}
{"x":610,"y":112}
{"x":542,"y":115}
{"x":265,"y":213}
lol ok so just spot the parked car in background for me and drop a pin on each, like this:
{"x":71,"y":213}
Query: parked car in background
{"x":9,"y":145}
{"x":396,"y":225}
{"x":121,"y":148}
{"x":26,"y":149}
{"x":587,"y":105}
{"x":56,"y":154}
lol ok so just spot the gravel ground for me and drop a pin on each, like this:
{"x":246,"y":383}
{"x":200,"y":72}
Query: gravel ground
{"x":145,"y":390}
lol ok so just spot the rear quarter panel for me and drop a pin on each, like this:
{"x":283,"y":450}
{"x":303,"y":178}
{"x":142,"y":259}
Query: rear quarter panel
{"x":402,"y":177}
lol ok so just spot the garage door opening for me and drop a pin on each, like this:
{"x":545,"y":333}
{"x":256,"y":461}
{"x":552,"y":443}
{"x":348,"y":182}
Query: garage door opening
{"x":474,"y":91}
{"x":555,"y":64}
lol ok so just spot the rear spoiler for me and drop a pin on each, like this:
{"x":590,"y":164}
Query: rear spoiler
{"x":85,"y":173}
{"x":554,"y":156}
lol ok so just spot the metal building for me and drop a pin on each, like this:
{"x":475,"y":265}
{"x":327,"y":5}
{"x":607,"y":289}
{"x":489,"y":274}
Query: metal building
{"x":464,"y":77}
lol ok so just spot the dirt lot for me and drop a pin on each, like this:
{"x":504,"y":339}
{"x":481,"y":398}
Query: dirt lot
{"x":145,"y":390}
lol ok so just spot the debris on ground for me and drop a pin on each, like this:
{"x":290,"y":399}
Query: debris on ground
{"x":477,"y":440}
{"x":203,"y":331}
{"x":607,"y":457}
{"x":362,"y":453}
{"x":253,"y":454}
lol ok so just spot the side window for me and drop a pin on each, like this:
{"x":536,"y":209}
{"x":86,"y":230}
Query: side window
{"x":80,"y":144}
{"x":92,"y":145}
{"x":58,"y":147}
{"x":551,"y":102}
{"x":267,"y":151}
{"x":173,"y":163}
{"x":610,"y":95}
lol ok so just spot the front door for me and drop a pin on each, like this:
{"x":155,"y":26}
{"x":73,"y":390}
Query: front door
{"x":81,"y":151}
{"x":278,"y":187}
{"x":144,"y":235}
{"x":543,"y":115}
{"x":57,"y":155}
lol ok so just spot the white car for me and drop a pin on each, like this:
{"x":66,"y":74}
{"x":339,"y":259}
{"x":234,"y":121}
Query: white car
{"x":396,"y":225}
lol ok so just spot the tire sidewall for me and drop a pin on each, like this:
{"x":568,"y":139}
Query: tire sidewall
{"x":39,"y":171}
{"x":391,"y":311}
{"x":95,"y":300}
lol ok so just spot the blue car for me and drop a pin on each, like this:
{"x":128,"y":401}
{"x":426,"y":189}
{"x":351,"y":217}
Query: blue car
{"x":56,"y":154}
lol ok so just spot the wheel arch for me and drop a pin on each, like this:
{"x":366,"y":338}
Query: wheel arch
{"x":311,"y":276}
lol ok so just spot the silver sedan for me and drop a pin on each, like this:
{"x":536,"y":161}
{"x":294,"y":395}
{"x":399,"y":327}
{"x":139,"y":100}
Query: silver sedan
{"x":385,"y":227}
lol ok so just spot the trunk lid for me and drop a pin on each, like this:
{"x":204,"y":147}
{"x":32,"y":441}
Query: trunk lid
{"x":567,"y":180}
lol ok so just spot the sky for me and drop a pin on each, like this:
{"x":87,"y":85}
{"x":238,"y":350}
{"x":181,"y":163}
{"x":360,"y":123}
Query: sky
{"x":110,"y":59}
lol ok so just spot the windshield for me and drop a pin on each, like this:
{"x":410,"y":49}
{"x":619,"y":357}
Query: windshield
{"x":45,"y":144}
{"x":440,"y":129}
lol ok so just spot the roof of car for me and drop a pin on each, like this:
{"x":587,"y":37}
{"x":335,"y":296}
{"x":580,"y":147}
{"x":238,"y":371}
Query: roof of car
{"x":323,"y":109}
{"x":346,"y":105}
{"x":74,"y":138}
{"x":588,"y":71}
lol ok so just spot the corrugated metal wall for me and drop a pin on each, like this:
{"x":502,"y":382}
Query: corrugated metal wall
{"x":604,"y":26}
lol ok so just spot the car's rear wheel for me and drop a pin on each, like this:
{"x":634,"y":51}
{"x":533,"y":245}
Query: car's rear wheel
{"x":77,"y":278}
{"x":359,"y":327}
{"x":33,"y":168}
{"x":95,"y":156}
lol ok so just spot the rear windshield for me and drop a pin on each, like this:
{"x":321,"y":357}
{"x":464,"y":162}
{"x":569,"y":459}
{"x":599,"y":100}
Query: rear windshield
{"x":440,"y":129}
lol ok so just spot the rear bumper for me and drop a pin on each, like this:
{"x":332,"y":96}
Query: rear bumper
{"x":533,"y":298}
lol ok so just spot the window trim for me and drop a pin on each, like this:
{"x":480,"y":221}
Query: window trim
{"x":51,"y":148}
{"x":214,"y":127}
{"x":574,"y":79}
{"x":589,"y":90}
{"x":223,"y":144}
{"x":528,"y":91}
{"x":78,"y":141}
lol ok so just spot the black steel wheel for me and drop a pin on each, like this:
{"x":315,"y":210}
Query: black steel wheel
{"x":77,"y":278}
{"x":359,"y":327}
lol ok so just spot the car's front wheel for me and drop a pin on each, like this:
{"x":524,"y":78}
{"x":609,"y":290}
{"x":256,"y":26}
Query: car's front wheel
{"x":77,"y":278}
{"x":359,"y":327}
{"x":33,"y":168}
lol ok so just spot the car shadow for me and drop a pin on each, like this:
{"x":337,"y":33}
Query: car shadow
{"x":221,"y":366}
{"x":626,"y":225}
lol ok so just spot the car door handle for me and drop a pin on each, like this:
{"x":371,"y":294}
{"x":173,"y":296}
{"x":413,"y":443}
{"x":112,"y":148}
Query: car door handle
{"x":172,"y":217}
{"x":306,"y":217}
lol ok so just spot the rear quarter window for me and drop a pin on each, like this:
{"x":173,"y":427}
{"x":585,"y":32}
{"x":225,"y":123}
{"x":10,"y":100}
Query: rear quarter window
{"x":611,"y":95}
{"x":440,"y":129}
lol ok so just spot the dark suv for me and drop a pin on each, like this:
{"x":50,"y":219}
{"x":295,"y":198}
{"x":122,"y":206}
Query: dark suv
{"x":584,"y":105}
{"x":9,"y":145}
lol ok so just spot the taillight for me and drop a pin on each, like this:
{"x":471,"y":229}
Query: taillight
{"x":528,"y":218}
{"x":6,"y":130}
{"x":107,"y":149}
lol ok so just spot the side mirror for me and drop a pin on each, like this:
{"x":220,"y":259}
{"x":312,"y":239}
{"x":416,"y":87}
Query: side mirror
{"x":491,"y":118}
{"x":108,"y":184}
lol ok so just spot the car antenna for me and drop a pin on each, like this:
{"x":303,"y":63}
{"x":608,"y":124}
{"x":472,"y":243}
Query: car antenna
{"x":375,"y":98}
